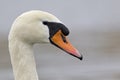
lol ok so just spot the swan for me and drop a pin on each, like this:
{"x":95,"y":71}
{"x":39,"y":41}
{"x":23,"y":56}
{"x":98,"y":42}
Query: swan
{"x":35,"y":27}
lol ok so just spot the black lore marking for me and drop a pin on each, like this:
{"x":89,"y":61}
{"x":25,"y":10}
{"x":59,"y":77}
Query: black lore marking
{"x":54,"y":27}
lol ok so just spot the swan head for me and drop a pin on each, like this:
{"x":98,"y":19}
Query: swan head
{"x":42,"y":27}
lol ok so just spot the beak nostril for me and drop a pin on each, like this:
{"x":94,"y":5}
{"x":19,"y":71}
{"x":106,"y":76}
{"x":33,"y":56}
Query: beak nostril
{"x":64,"y":38}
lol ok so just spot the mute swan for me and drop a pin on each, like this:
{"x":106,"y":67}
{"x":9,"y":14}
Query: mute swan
{"x":35,"y":27}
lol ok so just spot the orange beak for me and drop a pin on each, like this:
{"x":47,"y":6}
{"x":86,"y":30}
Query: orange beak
{"x":60,"y":40}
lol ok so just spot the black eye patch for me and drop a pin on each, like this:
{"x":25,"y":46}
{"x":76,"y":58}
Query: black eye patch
{"x":54,"y":27}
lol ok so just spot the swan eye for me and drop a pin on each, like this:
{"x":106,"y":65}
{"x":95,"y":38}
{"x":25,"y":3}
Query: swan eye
{"x":63,"y":38}
{"x":45,"y":22}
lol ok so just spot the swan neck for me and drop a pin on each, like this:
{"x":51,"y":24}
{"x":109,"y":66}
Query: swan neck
{"x":22,"y":59}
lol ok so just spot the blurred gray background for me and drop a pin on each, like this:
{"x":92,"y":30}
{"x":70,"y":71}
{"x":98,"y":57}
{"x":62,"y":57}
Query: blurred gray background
{"x":95,"y":32}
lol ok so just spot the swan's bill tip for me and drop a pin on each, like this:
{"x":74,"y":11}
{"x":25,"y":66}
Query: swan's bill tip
{"x":81,"y":58}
